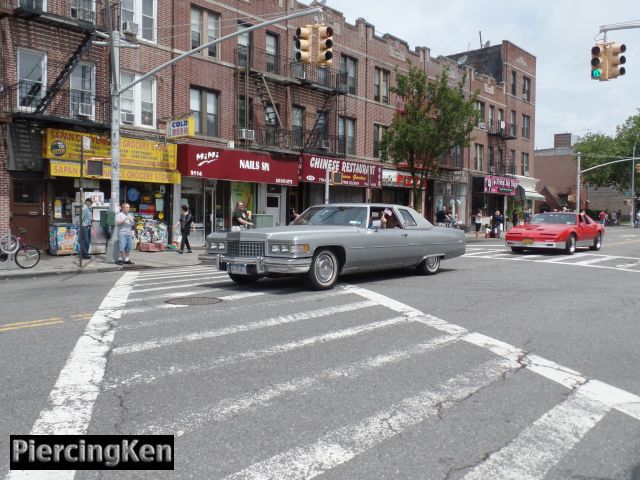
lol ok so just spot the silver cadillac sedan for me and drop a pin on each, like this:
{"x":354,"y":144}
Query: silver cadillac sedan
{"x":330,"y":240}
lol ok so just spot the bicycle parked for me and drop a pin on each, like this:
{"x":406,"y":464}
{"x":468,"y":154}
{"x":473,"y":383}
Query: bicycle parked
{"x":25,"y":256}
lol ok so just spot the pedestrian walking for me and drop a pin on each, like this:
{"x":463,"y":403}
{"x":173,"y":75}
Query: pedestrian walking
{"x":85,"y":224}
{"x":186,"y":224}
{"x":125,"y":223}
{"x":478,"y":221}
{"x":515,"y":218}
{"x":498,"y":219}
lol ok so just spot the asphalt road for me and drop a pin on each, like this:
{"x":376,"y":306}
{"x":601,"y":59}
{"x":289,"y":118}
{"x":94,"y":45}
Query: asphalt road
{"x":501,"y":366}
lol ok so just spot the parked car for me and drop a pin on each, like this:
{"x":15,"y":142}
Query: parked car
{"x":330,"y":240}
{"x":558,"y":231}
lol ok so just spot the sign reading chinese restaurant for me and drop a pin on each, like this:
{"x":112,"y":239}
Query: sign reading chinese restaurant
{"x":502,"y":185}
{"x":238,"y":165}
{"x":140,"y":160}
{"x":313,"y":169}
{"x":181,"y":127}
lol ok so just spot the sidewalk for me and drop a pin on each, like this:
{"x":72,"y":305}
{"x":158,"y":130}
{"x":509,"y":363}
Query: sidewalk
{"x":68,"y":264}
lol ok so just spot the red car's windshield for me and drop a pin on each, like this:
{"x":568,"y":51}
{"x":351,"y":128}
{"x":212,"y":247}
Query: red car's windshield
{"x":555,"y":218}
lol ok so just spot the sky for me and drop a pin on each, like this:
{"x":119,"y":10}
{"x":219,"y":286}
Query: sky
{"x":559,"y":33}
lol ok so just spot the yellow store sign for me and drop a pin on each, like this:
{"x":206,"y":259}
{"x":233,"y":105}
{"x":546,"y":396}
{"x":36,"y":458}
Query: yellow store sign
{"x":72,"y":169}
{"x":65,"y":145}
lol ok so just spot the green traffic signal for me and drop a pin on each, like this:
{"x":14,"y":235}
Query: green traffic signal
{"x":596,"y":72}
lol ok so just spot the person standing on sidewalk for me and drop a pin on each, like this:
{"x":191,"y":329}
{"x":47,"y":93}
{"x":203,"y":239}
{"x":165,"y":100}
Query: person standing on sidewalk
{"x":125,"y":223}
{"x":478,"y":222}
{"x":85,"y":224}
{"x":186,"y":224}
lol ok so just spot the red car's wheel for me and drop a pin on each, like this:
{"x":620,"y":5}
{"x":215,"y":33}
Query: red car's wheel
{"x":570,"y":247}
{"x":597,"y":243}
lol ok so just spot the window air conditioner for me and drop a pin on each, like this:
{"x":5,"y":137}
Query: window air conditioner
{"x":85,"y":110}
{"x":130,"y":28}
{"x":298,"y":70}
{"x":127,"y":117}
{"x":525,"y":96}
{"x":246,"y":134}
{"x":502,"y":124}
{"x":324,"y":144}
{"x":482,"y":125}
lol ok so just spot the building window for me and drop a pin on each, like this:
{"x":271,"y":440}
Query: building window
{"x":525,"y":164}
{"x":142,"y":14}
{"x":480,"y":109}
{"x":492,"y":116}
{"x":479,"y":157}
{"x":512,"y":162}
{"x":82,"y":91}
{"x":381,"y":86}
{"x":272,"y":50}
{"x":514,"y":79}
{"x":245,"y":112}
{"x":31,"y":78}
{"x":512,"y":124}
{"x":320,"y":130}
{"x":137,"y":104}
{"x":526,"y":121}
{"x":526,"y":88}
{"x":83,"y":10}
{"x":379,"y":131}
{"x":203,"y":20}
{"x":244,"y":45}
{"x":203,"y":105}
{"x":348,"y":66}
{"x":297,"y":127}
{"x":492,"y":160}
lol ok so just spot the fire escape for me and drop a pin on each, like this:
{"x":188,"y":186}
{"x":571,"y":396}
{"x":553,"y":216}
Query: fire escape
{"x":277,"y":84}
{"x":498,"y":133}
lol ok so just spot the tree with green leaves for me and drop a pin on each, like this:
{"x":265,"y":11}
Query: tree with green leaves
{"x":435,"y":118}
{"x":598,"y":148}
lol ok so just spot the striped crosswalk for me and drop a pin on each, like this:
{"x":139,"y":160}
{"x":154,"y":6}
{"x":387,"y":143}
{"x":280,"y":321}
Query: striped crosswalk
{"x":283,"y":383}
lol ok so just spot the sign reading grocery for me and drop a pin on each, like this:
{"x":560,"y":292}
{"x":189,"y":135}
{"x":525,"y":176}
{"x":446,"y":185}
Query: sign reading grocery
{"x":67,"y":144}
{"x":503,"y":185}
{"x":182,"y":127}
{"x":238,"y":165}
{"x":313,"y":169}
{"x":60,"y":168}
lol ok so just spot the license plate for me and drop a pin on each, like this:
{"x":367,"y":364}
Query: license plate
{"x":527,"y":240}
{"x":239,"y":268}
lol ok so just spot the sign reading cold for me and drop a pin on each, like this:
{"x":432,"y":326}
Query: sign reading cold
{"x":313,"y":168}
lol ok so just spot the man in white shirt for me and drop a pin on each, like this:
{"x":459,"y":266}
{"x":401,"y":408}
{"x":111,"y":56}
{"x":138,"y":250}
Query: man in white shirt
{"x":85,"y":224}
{"x":125,"y":223}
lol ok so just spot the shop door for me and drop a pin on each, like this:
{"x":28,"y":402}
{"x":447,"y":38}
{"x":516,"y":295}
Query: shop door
{"x":29,"y":211}
{"x":210,"y":218}
{"x":273,"y":208}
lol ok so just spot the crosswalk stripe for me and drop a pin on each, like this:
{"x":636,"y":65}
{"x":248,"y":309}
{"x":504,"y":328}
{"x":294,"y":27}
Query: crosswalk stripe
{"x":174,"y":272}
{"x":179,"y":293}
{"x":540,"y":447}
{"x":344,"y":444}
{"x":147,"y":377}
{"x":594,"y":260}
{"x":168,"y":287}
{"x":183,"y":279}
{"x":280,"y":320}
{"x":250,"y":402}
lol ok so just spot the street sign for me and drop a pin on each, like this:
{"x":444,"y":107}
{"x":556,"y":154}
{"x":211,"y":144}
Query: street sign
{"x":627,"y":194}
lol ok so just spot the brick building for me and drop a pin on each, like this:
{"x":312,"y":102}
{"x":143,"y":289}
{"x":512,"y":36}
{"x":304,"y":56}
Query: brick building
{"x":265,"y":127}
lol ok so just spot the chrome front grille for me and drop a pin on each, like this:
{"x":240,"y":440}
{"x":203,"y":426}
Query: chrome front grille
{"x":246,"y":249}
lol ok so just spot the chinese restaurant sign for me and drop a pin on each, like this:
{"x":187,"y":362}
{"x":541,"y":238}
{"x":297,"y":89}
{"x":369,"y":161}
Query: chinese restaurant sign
{"x":503,"y":185}
{"x":313,"y":169}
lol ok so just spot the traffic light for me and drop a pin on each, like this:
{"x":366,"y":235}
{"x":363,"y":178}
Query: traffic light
{"x":325,"y":44}
{"x":303,"y":43}
{"x":598,"y":62}
{"x":615,"y":59}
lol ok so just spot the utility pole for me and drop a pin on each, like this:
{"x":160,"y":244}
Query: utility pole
{"x":578,"y":184}
{"x":116,"y":90}
{"x":633,"y":183}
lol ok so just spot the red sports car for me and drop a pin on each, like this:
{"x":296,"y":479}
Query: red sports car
{"x":558,"y":231}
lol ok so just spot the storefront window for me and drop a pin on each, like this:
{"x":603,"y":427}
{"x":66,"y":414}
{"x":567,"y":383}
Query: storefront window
{"x":452,"y":196}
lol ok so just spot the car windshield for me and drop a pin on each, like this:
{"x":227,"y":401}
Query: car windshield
{"x":555,"y":218}
{"x":333,"y":215}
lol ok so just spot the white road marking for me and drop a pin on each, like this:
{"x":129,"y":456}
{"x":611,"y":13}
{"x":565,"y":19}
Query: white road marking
{"x":183,"y":278}
{"x":540,"y":447}
{"x":342,"y":445}
{"x":250,"y":402}
{"x":175,"y":271}
{"x":591,"y":261}
{"x":146,"y":377}
{"x":73,"y":397}
{"x":270,"y":322}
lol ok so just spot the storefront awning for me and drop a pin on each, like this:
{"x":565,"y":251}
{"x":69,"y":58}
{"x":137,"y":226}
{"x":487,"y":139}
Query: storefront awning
{"x":533,"y":195}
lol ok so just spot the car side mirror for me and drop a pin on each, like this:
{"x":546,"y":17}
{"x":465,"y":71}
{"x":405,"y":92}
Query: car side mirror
{"x":376,"y":224}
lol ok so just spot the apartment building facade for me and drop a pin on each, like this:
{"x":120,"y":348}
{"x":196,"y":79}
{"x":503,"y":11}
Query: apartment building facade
{"x":265,"y":128}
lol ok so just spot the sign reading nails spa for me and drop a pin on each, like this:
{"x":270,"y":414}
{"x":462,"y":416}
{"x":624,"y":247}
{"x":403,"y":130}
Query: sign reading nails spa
{"x":236,"y":165}
{"x":313,"y":169}
{"x":500,"y":185}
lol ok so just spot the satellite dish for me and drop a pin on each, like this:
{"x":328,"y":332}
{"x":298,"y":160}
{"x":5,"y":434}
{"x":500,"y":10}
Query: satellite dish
{"x":487,"y":43}
{"x":462,"y":60}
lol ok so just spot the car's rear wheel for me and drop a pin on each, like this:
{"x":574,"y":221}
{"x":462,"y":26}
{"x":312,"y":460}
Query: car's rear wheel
{"x":243,"y":279}
{"x":517,"y":249}
{"x":570,"y":247}
{"x":429,"y":266}
{"x":597,"y":242}
{"x":324,"y":270}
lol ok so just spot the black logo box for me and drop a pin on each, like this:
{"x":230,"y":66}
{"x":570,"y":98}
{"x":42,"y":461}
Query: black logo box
{"x":29,"y":461}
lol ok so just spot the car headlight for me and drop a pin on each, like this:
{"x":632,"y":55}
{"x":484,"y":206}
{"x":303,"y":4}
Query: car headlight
{"x":299,"y":248}
{"x":288,"y":248}
{"x":275,"y":248}
{"x":217,"y":246}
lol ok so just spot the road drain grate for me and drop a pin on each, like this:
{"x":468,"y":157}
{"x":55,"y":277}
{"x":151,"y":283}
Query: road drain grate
{"x":193,"y":300}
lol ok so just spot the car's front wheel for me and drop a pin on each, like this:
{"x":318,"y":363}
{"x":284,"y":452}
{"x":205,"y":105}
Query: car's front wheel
{"x":243,"y":279}
{"x":517,"y":249}
{"x":324,"y":270}
{"x":429,"y":266}
{"x":570,"y":247}
{"x":597,"y":242}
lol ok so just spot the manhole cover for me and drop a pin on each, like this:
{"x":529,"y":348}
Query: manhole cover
{"x":193,"y":300}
